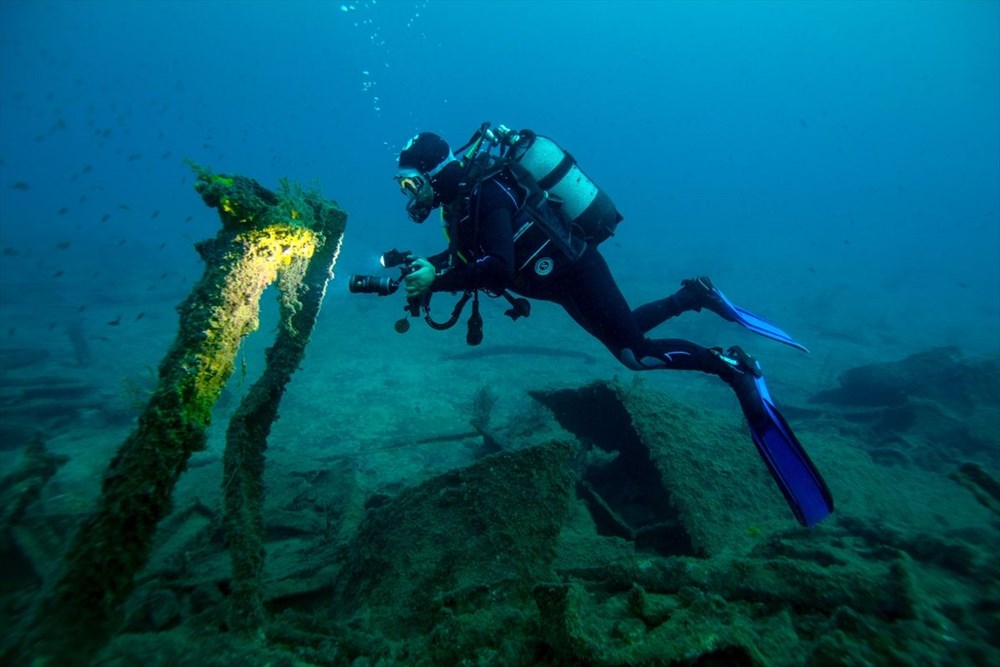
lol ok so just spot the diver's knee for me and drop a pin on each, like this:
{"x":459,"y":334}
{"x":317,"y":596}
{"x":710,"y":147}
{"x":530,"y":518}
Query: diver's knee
{"x":629,"y":360}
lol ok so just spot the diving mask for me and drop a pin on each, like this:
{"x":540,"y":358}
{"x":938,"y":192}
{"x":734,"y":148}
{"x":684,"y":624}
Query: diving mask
{"x":413,"y":184}
{"x":417,"y":188}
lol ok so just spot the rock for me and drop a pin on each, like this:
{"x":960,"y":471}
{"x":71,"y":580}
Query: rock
{"x":983,"y":486}
{"x":164,"y":610}
{"x":679,"y":482}
{"x":932,"y":409}
{"x":940,"y":374}
{"x":489,"y":530}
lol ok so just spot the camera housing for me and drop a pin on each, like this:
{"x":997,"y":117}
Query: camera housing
{"x":380,"y":285}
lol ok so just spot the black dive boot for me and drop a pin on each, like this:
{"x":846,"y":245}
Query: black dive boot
{"x":701,"y":293}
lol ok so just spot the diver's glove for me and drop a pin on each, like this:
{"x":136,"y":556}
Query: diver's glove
{"x":420,"y":277}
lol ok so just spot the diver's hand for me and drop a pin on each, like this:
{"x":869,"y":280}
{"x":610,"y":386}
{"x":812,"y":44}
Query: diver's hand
{"x":418,"y":281}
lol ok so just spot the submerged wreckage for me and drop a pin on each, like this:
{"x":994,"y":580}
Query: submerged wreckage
{"x":613,"y":527}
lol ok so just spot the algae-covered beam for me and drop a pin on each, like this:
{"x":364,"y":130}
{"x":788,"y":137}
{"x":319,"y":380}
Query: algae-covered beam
{"x":263,"y":233}
{"x":302,"y":286}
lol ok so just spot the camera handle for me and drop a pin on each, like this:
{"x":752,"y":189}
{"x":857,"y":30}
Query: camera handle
{"x":475,"y":332}
{"x":474,"y":336}
{"x":412,"y":308}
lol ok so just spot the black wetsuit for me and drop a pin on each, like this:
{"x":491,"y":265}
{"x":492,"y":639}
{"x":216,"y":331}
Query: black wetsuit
{"x":481,"y":255}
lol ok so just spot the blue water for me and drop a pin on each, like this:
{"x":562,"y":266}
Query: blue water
{"x":842,"y":154}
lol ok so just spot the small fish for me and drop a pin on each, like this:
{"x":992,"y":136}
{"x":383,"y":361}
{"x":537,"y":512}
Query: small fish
{"x":122,"y":242}
{"x":87,"y":168}
{"x":115,"y":322}
{"x":81,"y":308}
{"x":139,"y":316}
{"x":52,"y":325}
{"x":163,"y":245}
{"x":11,"y":331}
{"x":155,"y":214}
{"x":163,"y":276}
{"x":63,"y":245}
{"x":134,"y":156}
{"x":63,"y":211}
{"x":10,"y":252}
{"x":165,"y":155}
{"x":189,"y":218}
{"x":105,"y":217}
{"x":58,"y":273}
{"x":21,"y":185}
{"x":125,"y":207}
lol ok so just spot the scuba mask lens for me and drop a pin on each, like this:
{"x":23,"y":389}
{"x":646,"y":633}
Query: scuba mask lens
{"x":410,"y":185}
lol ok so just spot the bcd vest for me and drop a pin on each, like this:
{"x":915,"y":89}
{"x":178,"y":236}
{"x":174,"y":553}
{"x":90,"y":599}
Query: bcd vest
{"x":559,"y":208}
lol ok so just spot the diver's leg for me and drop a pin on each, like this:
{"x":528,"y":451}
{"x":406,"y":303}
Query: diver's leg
{"x":694,"y":294}
{"x":590,"y":295}
{"x":593,"y":299}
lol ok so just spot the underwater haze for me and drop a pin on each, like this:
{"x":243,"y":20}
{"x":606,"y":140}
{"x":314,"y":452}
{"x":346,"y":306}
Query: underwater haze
{"x":840,"y":159}
{"x":834,"y":166}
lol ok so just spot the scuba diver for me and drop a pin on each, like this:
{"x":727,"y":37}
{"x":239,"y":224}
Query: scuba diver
{"x":528,"y":220}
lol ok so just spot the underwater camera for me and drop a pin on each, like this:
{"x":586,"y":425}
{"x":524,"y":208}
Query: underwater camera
{"x":415,"y":304}
{"x":381,"y":285}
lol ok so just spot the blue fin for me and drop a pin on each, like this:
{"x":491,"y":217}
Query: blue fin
{"x":754,"y":323}
{"x":797,"y":477}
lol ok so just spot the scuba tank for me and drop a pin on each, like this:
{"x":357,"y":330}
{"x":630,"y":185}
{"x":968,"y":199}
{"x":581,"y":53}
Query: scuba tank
{"x":580,"y":203}
{"x":575,"y":197}
{"x":539,"y":229}
{"x":563,"y":209}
